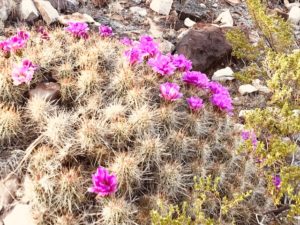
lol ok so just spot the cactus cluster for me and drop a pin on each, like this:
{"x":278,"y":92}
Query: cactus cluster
{"x":109,"y":113}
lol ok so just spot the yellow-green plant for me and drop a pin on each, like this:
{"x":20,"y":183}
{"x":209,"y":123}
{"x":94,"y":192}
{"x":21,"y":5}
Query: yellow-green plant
{"x":277,"y":125}
{"x":206,"y":190}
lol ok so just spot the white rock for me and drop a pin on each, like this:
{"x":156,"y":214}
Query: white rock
{"x":47,"y":11}
{"x":294,"y":15}
{"x":161,"y":6}
{"x":243,"y":113}
{"x":166,"y":46}
{"x":257,"y":83}
{"x":182,"y":32}
{"x":138,"y":10}
{"x":202,"y":5}
{"x":188,"y":22}
{"x":115,"y":7}
{"x":247,"y":89}
{"x":20,"y":215}
{"x":215,"y":5}
{"x":28,"y":10}
{"x":76,"y":17}
{"x":223,"y":74}
{"x":154,"y":30}
{"x":137,"y":1}
{"x":225,"y":19}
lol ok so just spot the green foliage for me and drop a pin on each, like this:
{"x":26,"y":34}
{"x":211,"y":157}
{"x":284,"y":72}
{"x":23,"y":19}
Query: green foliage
{"x":205,"y":190}
{"x":242,"y":49}
{"x":275,"y":125}
{"x":284,"y":73}
{"x":276,"y":33}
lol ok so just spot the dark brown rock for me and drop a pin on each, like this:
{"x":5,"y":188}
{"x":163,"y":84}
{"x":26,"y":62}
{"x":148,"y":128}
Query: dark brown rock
{"x":192,"y":9}
{"x":47,"y":90}
{"x":206,"y":46}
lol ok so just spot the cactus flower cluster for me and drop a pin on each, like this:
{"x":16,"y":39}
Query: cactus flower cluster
{"x":15,"y":43}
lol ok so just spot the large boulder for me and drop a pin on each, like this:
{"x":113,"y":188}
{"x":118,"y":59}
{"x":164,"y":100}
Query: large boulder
{"x":28,"y":11}
{"x":206,"y":47}
{"x":6,"y":7}
{"x":47,"y":11}
{"x":66,"y":6}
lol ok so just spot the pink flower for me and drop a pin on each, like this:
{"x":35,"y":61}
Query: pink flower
{"x":23,"y":35}
{"x":250,"y":135}
{"x":221,"y":97}
{"x":148,"y":47}
{"x":162,"y":64}
{"x":104,"y":183}
{"x":196,"y":78}
{"x":105,"y":31}
{"x":23,"y":73}
{"x":195,"y":103}
{"x":217,"y":88}
{"x":5,"y":46}
{"x":276,"y":181}
{"x":245,"y":135}
{"x":78,"y":29}
{"x":222,"y":101}
{"x":134,"y":56}
{"x":15,"y":43}
{"x":170,"y":91}
{"x":126,"y":41}
{"x":182,"y":63}
{"x":44,"y":34}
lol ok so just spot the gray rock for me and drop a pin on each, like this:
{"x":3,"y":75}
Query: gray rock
{"x":247,"y":89}
{"x":6,"y":7}
{"x":161,"y":6}
{"x":66,"y":6}
{"x":139,"y":11}
{"x":193,"y":9}
{"x":154,"y":30}
{"x":166,"y":47}
{"x":47,"y":11}
{"x":137,"y":1}
{"x":28,"y":10}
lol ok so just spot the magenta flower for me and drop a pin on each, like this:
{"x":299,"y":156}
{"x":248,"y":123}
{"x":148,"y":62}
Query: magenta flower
{"x":126,"y":41}
{"x":105,"y":31}
{"x":44,"y":34}
{"x":162,"y":64}
{"x":23,"y":73}
{"x":148,"y":47}
{"x":247,"y":135}
{"x":23,"y":35}
{"x":195,"y":103}
{"x":15,"y":43}
{"x":104,"y":183}
{"x":276,"y":181}
{"x":222,"y":101}
{"x":134,"y":56}
{"x":5,"y":46}
{"x":196,"y":78}
{"x":170,"y":91}
{"x":78,"y":29}
{"x":182,"y":63}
